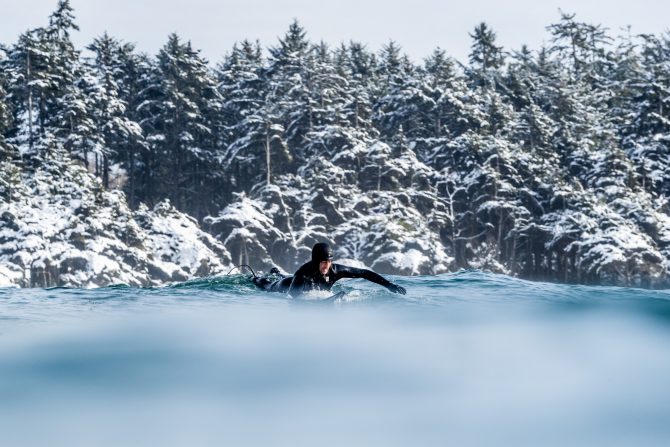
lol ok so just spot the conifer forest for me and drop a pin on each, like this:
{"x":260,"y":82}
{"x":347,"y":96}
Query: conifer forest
{"x":547,"y":163}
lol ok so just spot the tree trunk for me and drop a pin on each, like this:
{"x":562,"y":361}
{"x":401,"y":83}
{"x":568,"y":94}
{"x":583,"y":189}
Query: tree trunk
{"x":267,"y":154}
{"x":512,"y":260}
{"x":500,"y":231}
{"x":105,"y":171}
{"x":42,"y":113}
{"x":379,"y":177}
{"x":356,"y":116}
{"x":131,"y":179}
{"x":30,"y":103}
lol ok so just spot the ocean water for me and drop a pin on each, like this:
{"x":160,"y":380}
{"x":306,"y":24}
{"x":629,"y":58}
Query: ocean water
{"x":463,"y":359}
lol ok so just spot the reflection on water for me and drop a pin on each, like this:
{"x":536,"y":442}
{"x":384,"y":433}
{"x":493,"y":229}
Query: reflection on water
{"x":466,"y":359}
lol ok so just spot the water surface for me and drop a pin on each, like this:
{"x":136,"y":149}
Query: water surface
{"x":463,"y":359}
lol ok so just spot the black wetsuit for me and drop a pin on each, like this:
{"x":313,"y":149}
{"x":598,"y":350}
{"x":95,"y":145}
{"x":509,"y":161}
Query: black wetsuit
{"x":270,"y":284}
{"x":308,"y":277}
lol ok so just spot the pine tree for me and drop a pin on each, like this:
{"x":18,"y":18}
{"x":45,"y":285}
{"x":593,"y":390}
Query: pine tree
{"x":109,"y":111}
{"x":76,"y":126}
{"x":359,"y":67}
{"x":330,"y":89}
{"x":134,"y":75}
{"x":6,"y":116}
{"x":64,"y":64}
{"x":291,"y":76}
{"x":241,"y":82}
{"x":405,"y":100}
{"x":440,"y":73}
{"x":29,"y":80}
{"x":256,"y":135}
{"x":42,"y":65}
{"x":10,"y":160}
{"x":331,"y":93}
{"x":581,"y":46}
{"x":642,"y":88}
{"x":181,"y":106}
{"x":528,"y":85}
{"x":485,"y":56}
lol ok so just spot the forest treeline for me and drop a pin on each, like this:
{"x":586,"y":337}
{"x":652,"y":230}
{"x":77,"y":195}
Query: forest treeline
{"x":551,"y":163}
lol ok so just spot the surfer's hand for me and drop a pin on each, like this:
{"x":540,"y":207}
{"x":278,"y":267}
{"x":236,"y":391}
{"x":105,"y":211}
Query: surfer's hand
{"x":397,"y":289}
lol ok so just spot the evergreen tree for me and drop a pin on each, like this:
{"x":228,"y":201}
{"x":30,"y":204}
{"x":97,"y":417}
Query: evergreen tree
{"x":485,"y":56}
{"x":359,"y":67}
{"x":440,"y":73}
{"x":64,"y":64}
{"x":9,"y":157}
{"x":29,"y":81}
{"x":109,"y":111}
{"x":644,"y":116}
{"x":6,"y":116}
{"x":42,"y":66}
{"x":529,"y":90}
{"x":255,"y":144}
{"x":134,"y":79}
{"x":181,"y":105}
{"x":240,"y":81}
{"x":404,"y":99}
{"x":331,"y":94}
{"x":581,"y":46}
{"x":291,"y":76}
{"x":330,"y":89}
{"x":76,"y":126}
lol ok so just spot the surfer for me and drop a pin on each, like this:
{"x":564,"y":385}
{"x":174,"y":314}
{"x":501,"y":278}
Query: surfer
{"x":320,"y":274}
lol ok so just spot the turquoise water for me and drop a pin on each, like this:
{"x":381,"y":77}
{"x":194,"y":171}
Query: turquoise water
{"x":463,"y":359}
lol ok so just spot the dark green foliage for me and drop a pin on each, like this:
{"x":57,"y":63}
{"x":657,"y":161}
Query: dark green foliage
{"x":179,"y":114}
{"x":485,"y":54}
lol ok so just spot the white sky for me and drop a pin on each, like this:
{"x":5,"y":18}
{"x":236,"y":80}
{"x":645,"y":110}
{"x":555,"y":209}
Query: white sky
{"x":418,"y":25}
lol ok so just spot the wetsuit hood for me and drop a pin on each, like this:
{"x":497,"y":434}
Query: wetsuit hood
{"x":322,"y":252}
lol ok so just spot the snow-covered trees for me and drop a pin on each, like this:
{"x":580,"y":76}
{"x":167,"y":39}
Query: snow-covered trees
{"x":549,"y":164}
{"x":109,"y":111}
{"x":644,"y":111}
{"x":10,"y":161}
{"x":254,"y":143}
{"x":27,"y":69}
{"x":179,"y":114}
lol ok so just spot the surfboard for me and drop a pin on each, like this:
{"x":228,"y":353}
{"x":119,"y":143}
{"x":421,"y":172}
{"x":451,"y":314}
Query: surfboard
{"x":334,"y":297}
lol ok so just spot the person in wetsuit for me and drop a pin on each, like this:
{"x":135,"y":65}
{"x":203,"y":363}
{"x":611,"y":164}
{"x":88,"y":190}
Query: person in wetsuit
{"x":321,"y":273}
{"x":270,"y":283}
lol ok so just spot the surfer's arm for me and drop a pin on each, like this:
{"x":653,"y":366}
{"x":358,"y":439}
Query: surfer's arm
{"x":344,"y":271}
{"x":297,"y":285}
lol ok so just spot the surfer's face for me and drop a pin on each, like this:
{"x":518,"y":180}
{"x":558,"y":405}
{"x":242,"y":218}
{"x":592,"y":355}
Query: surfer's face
{"x":324,"y":266}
